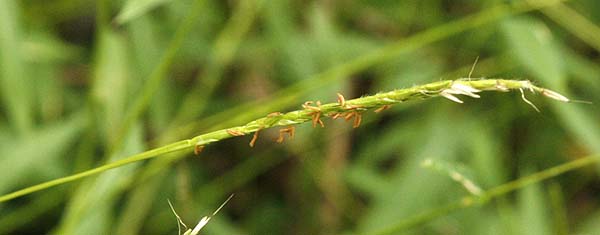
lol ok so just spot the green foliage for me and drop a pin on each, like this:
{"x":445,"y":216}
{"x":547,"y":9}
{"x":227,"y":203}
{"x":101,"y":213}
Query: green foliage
{"x":89,"y":87}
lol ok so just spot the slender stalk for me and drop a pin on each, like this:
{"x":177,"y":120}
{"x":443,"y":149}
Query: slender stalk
{"x":134,"y":158}
{"x":501,"y":190}
{"x":347,"y":109}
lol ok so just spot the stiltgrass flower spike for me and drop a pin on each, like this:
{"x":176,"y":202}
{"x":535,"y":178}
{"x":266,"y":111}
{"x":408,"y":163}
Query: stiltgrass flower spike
{"x":348,"y":109}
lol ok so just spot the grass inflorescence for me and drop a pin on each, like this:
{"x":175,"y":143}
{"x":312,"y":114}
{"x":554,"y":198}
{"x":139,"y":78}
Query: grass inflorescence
{"x":315,"y":111}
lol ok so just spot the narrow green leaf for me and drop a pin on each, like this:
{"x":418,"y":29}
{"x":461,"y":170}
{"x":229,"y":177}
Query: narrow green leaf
{"x":534,"y":211}
{"x":112,"y":84}
{"x":24,"y":158}
{"x":533,"y":44}
{"x":14,"y":82}
{"x":536,"y":49}
{"x":136,"y":8}
{"x":410,"y":193}
{"x":89,"y":211}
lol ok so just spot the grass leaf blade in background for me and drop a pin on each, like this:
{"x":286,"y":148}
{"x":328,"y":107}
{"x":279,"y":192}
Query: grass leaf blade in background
{"x":85,"y":85}
{"x":535,"y":48}
{"x":136,"y":8}
{"x":16,"y":87}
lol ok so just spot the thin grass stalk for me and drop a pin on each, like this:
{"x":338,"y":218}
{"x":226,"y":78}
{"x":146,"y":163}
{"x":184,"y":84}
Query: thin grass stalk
{"x":488,"y":195}
{"x":315,"y":111}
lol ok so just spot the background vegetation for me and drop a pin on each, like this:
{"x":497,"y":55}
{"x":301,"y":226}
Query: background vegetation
{"x":88,"y":82}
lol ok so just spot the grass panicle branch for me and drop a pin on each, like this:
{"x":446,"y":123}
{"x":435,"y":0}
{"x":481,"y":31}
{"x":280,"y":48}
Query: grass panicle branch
{"x":315,"y":111}
{"x":487,"y":196}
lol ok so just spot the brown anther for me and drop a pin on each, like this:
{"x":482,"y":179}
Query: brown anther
{"x":357,"y":120}
{"x":349,"y":116}
{"x":341,"y":100}
{"x":317,"y":119}
{"x":307,"y":105}
{"x":235,"y":132}
{"x":291,"y":130}
{"x":336,"y":115}
{"x":198,"y":149}
{"x":382,"y":108}
{"x":316,"y":112}
{"x":274,"y":114}
{"x":254,"y":138}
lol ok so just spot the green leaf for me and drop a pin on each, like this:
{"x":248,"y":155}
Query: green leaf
{"x":37,"y":155}
{"x":89,"y":211}
{"x":112,"y":85}
{"x":590,"y":224}
{"x":412,"y":188}
{"x":533,"y":44}
{"x":89,"y":208}
{"x":537,"y":51}
{"x":534,"y":211}
{"x":137,"y":8}
{"x":14,"y":83}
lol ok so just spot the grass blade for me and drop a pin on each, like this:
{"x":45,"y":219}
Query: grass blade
{"x":136,"y":8}
{"x":14,"y":81}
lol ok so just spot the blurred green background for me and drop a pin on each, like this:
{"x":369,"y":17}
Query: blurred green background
{"x":87,"y":82}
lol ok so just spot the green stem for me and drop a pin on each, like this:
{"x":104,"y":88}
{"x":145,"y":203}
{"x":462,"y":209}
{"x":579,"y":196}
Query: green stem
{"x":352,"y":108}
{"x":138,"y":157}
{"x":501,"y":190}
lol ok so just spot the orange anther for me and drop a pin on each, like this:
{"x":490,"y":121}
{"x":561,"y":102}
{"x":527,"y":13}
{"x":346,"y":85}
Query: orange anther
{"x":198,"y":149}
{"x":274,"y":114}
{"x":254,"y":138}
{"x":341,"y":100}
{"x":357,"y":120}
{"x":235,"y":132}
{"x":382,"y":108}
{"x":349,"y":116}
{"x":336,"y":115}
{"x":291,"y":130}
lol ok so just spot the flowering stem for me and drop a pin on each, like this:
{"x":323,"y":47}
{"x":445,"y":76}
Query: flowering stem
{"x":347,"y":109}
{"x":487,"y":196}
